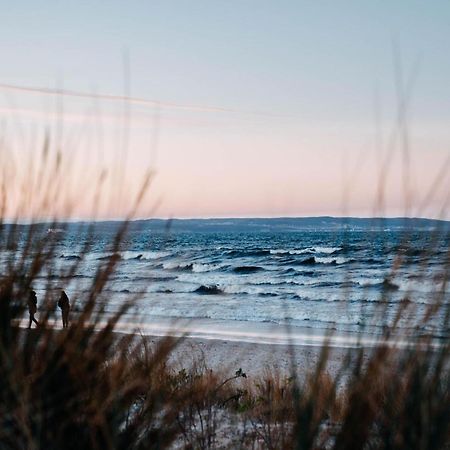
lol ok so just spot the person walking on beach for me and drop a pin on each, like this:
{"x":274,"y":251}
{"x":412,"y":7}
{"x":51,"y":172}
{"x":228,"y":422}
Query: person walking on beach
{"x":64,"y":305}
{"x":32,"y":308}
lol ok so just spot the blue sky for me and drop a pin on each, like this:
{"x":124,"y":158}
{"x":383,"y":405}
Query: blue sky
{"x":284,"y":56}
{"x":316,"y":64}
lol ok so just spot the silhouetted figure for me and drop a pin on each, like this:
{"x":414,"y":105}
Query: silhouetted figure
{"x":32,"y":308}
{"x":64,"y":304}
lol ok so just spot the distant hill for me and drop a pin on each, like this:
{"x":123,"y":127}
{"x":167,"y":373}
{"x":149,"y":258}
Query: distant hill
{"x":281,"y":224}
{"x":286,"y":224}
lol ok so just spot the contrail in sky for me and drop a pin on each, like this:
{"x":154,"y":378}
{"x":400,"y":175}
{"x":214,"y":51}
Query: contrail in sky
{"x":134,"y":100}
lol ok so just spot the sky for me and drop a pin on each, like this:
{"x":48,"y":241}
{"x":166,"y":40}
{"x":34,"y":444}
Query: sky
{"x":256,"y":108}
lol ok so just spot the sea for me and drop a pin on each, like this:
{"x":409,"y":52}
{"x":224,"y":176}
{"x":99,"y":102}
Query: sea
{"x":260,"y":280}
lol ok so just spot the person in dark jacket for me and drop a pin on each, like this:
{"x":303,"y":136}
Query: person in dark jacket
{"x":64,"y":305}
{"x":32,"y":308}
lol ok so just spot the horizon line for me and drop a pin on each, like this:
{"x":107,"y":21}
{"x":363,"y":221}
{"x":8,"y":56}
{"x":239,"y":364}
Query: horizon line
{"x":168,"y":219}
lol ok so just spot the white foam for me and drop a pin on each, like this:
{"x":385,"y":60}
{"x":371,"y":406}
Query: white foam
{"x":127,"y":255}
{"x":326,"y":250}
{"x":175,"y":265}
{"x":201,"y":267}
{"x":308,"y":250}
{"x":331,"y":260}
{"x":290,"y":251}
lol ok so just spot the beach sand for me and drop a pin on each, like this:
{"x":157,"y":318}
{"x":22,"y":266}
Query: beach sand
{"x":257,"y":349}
{"x":254,"y":359}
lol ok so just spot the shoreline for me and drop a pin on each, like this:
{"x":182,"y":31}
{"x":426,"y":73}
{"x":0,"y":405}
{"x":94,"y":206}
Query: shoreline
{"x":268,"y":333}
{"x":255,"y":357}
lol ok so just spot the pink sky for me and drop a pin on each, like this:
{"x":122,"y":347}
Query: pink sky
{"x":215,"y":164}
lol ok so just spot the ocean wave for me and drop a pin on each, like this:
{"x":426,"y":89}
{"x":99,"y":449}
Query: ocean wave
{"x":155,"y":279}
{"x":131,"y":255}
{"x":70,"y":257}
{"x":250,"y":289}
{"x":144,"y":255}
{"x":268,"y":294}
{"x":311,"y":299}
{"x":278,"y":283}
{"x":250,"y":252}
{"x":312,"y":260}
{"x":192,"y":267}
{"x":247,"y":269}
{"x":296,"y":272}
{"x":337,"y":284}
{"x":308,"y":250}
{"x":237,"y":289}
{"x":137,"y":291}
{"x":62,"y":277}
{"x":424,"y":286}
{"x":327,"y":250}
{"x":331,"y":260}
{"x":385,"y":284}
{"x":373,"y":261}
{"x":307,"y":261}
{"x":107,"y":257}
{"x":203,"y":267}
{"x":290,"y":252}
{"x":171,"y":265}
{"x":208,"y":290}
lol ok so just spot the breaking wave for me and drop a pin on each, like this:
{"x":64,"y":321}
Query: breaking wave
{"x":208,"y":290}
{"x":247,"y":269}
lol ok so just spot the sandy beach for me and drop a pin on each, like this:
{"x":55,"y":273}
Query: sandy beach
{"x":254,"y":359}
{"x":257,"y":349}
